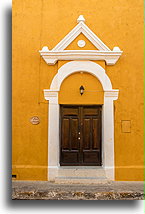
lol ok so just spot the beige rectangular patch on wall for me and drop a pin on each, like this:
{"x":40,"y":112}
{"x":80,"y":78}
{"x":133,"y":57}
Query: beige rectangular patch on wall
{"x":125,"y":126}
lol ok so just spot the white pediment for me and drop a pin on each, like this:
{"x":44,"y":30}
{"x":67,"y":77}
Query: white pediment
{"x":59,"y":52}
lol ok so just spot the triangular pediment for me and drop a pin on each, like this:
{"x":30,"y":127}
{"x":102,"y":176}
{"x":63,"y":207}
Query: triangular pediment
{"x":80,"y":28}
{"x":64,"y":51}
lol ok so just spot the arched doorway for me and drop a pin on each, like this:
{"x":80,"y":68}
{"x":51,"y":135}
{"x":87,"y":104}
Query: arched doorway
{"x":107,"y":115}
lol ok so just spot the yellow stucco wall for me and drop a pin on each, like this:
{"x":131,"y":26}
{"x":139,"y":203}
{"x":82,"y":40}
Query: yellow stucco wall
{"x":69,"y":91}
{"x":38,"y":23}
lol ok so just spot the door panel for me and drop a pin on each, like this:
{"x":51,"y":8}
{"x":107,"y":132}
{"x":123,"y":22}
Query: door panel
{"x":90,"y":111}
{"x":69,"y":158}
{"x":86,"y":133}
{"x":92,"y":115}
{"x":70,"y":111}
{"x":65,"y":135}
{"x":90,"y":157}
{"x":96,"y":133}
{"x":80,"y":135}
{"x":69,"y":154}
{"x":74,"y":133}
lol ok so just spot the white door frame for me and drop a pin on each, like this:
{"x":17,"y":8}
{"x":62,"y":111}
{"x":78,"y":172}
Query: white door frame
{"x":107,"y":115}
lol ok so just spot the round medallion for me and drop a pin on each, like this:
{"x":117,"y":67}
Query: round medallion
{"x":81,"y":43}
{"x":35,"y":120}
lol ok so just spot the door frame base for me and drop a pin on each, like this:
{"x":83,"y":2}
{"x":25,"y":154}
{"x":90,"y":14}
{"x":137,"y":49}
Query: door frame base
{"x":56,"y":173}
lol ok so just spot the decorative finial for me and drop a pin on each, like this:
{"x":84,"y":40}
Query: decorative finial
{"x":45,"y":49}
{"x":116,"y":49}
{"x":81,"y":19}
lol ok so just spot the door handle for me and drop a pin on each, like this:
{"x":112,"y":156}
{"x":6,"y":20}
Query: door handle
{"x":79,"y":138}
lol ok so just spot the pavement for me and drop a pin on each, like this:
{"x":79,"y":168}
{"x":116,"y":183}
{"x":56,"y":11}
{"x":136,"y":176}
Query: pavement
{"x":45,"y":190}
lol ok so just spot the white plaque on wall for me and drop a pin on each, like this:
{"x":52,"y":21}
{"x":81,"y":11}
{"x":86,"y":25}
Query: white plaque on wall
{"x":35,"y":120}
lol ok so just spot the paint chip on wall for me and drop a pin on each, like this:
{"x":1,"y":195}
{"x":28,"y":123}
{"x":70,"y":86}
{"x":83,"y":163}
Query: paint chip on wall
{"x":125,"y":126}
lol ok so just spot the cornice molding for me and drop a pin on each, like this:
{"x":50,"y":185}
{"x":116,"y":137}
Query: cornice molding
{"x":110,"y":57}
{"x":112,"y":93}
{"x":50,"y":94}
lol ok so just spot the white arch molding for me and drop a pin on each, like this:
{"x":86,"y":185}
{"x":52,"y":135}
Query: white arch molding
{"x":107,"y":115}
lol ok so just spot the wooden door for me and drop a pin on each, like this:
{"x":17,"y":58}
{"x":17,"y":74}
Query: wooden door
{"x":80,"y":135}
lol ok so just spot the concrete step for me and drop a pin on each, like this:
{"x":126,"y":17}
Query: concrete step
{"x":81,"y":180}
{"x":81,"y":172}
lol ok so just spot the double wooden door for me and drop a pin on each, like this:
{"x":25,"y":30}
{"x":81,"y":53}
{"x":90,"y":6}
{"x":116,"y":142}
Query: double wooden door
{"x":80,"y":135}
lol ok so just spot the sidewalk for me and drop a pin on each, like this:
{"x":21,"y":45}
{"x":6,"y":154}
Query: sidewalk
{"x":44,"y":190}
